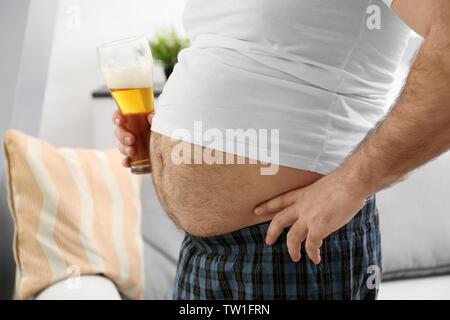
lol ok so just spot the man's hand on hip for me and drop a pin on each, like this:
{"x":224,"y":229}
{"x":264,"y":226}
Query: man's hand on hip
{"x":312,"y":212}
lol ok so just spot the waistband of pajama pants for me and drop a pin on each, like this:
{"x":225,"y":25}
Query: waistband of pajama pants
{"x":254,"y":236}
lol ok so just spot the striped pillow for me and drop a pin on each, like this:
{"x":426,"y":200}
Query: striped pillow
{"x":75,"y":211}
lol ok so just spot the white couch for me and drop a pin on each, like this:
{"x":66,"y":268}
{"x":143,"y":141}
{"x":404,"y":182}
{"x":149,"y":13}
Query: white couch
{"x":100,"y":288}
{"x":414,"y":219}
{"x":430,"y":288}
{"x":411,"y":213}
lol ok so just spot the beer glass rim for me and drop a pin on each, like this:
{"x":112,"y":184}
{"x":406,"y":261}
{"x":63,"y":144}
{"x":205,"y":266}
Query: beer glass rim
{"x":122,"y":41}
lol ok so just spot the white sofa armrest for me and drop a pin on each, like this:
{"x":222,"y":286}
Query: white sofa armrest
{"x":89,"y":287}
{"x":430,"y":288}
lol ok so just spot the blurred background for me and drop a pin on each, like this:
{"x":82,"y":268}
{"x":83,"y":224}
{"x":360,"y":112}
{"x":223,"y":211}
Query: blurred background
{"x":73,"y":70}
{"x":49,"y":72}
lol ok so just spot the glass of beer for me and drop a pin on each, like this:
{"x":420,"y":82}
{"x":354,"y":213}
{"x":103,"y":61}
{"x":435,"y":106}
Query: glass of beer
{"x":127,"y":67}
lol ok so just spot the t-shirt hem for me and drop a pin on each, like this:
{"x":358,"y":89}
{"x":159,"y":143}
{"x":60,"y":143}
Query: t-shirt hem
{"x":289,"y":160}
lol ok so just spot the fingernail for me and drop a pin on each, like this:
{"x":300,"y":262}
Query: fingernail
{"x":129,"y":150}
{"x":117,"y":121}
{"x":127,"y":140}
{"x":257,"y":210}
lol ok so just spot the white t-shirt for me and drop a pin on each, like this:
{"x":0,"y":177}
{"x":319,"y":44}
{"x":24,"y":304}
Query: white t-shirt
{"x":312,"y":76}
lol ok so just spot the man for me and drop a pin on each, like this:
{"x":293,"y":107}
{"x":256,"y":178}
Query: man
{"x":318,"y":73}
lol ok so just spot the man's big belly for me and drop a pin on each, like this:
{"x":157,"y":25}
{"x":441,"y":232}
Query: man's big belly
{"x":207,"y":200}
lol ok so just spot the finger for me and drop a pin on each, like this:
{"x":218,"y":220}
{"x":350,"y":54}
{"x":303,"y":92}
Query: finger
{"x":313,"y":244}
{"x":276,"y":204}
{"x":127,"y":151}
{"x":150,"y":118}
{"x":282,"y":220}
{"x":126,"y":162}
{"x":295,"y":237}
{"x":117,"y":118}
{"x":125,"y":137}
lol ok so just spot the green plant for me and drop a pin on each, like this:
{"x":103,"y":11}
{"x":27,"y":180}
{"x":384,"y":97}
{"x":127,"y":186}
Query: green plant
{"x":166,"y":46}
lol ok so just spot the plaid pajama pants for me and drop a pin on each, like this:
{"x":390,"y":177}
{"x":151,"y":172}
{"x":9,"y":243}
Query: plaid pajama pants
{"x":239,"y":265}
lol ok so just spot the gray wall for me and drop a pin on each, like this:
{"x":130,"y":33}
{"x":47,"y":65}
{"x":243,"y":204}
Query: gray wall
{"x":26,"y":33}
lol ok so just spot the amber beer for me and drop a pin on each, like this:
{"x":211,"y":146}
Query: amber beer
{"x":135,"y":106}
{"x":128,"y":71}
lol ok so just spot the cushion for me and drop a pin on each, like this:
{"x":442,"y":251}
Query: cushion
{"x":415,"y":223}
{"x":76,"y":212}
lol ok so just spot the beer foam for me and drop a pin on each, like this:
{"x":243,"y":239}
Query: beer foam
{"x":133,"y":77}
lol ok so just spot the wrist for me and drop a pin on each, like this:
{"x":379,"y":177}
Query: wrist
{"x":353,"y":181}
